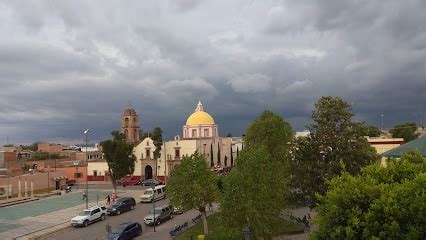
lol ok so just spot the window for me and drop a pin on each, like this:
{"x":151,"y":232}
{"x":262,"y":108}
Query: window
{"x":194,"y":132}
{"x":126,"y":122}
{"x":177,"y":153}
{"x":95,"y":173}
{"x":206,"y":132}
{"x":148,"y":153}
{"x":147,"y":143}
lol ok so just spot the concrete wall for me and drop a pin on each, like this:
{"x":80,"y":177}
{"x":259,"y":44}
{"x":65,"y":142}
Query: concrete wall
{"x":144,"y":153}
{"x":40,"y":182}
{"x":49,"y":147}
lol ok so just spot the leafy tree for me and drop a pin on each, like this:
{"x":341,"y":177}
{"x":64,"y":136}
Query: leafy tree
{"x":192,"y":186}
{"x":372,"y":131}
{"x":229,"y":135}
{"x":157,"y":136}
{"x":33,"y":147}
{"x":380,"y":203}
{"x":119,"y":157}
{"x":271,"y":131}
{"x":8,"y":145}
{"x":253,"y":199}
{"x":405,"y":130}
{"x":335,"y":143}
{"x":232,"y":156}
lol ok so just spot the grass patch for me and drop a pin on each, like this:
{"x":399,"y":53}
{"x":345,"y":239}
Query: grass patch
{"x":218,"y":232}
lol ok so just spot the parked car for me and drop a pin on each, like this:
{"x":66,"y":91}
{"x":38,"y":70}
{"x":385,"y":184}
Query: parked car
{"x":161,"y":214}
{"x":125,"y":231}
{"x":88,"y":216}
{"x":121,"y":205}
{"x":150,"y":195}
{"x":128,"y":181}
{"x":150,"y":182}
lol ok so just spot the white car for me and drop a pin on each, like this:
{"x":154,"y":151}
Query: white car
{"x":155,"y":194}
{"x":88,"y":216}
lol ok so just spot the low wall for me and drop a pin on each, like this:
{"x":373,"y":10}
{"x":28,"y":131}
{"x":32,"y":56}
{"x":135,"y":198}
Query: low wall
{"x":28,"y":184}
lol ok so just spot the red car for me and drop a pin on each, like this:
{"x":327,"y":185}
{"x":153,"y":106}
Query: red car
{"x":127,"y":181}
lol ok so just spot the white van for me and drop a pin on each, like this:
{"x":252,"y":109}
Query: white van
{"x":150,"y":195}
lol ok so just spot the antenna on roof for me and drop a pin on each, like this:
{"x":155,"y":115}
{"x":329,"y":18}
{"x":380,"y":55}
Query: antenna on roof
{"x":382,"y":116}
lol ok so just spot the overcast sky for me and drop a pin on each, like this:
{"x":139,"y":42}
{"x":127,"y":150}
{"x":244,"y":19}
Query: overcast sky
{"x":70,"y":65}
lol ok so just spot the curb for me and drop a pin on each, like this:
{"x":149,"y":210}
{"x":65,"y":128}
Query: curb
{"x":44,"y":232}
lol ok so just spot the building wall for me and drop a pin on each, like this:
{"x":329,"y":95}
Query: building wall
{"x":49,"y":147}
{"x":41,"y":181}
{"x":200,"y":131}
{"x":9,"y":164}
{"x":70,"y":172}
{"x":101,"y":167}
{"x":144,"y":153}
{"x":385,"y":144}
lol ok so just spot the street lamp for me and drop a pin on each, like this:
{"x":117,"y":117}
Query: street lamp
{"x":87,"y":165}
{"x":153,"y":203}
{"x":247,"y":233}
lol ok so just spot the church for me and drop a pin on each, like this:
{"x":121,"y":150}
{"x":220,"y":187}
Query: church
{"x":199,"y":133}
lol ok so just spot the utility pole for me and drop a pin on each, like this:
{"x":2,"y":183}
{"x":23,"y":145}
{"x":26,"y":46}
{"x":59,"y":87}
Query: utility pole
{"x":87,"y":165}
{"x":382,"y":116}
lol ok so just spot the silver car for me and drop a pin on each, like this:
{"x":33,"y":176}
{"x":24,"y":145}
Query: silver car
{"x":162,"y":213}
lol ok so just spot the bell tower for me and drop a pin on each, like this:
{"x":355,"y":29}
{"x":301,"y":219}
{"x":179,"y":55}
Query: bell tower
{"x":130,"y":125}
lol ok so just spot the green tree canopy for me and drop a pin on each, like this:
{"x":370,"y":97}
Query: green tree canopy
{"x":380,"y":203}
{"x":372,"y":131}
{"x":192,"y":185}
{"x":405,"y":130}
{"x":119,"y":156}
{"x":335,"y":143}
{"x":271,"y":131}
{"x":254,"y":193}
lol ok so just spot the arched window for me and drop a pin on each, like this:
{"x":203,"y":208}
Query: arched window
{"x":135,"y":121}
{"x":126,"y":122}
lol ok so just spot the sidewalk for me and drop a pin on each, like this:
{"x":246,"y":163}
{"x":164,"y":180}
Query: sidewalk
{"x":16,"y":225}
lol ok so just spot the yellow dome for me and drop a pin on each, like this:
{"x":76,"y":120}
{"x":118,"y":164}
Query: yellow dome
{"x":200,"y":117}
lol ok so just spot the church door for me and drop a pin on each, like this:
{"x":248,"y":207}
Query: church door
{"x":148,"y":172}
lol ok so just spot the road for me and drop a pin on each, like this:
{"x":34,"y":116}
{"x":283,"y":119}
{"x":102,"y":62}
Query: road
{"x":98,"y":230}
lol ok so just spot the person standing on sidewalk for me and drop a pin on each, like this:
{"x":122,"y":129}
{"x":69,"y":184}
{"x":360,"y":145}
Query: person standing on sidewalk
{"x":108,"y":198}
{"x":114,"y":196}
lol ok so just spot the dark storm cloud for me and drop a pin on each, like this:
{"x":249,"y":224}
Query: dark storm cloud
{"x":70,"y":65}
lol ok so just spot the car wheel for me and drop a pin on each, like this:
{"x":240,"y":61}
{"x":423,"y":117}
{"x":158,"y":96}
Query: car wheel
{"x":132,"y":207}
{"x":171,"y":216}
{"x":158,"y":222}
{"x":86,"y":223}
{"x":118,"y":212}
{"x":102,"y":217}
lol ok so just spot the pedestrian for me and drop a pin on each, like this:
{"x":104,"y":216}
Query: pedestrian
{"x":210,"y":207}
{"x":114,"y":196}
{"x":84,"y":195}
{"x":108,"y":198}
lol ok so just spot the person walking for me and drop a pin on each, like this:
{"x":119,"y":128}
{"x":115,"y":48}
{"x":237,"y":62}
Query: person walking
{"x":84,"y":195}
{"x":114,"y":196}
{"x":108,"y":199}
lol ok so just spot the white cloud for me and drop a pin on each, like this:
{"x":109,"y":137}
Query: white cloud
{"x":251,"y":83}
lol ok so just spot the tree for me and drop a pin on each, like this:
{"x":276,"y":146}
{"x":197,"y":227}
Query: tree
{"x":405,"y":130}
{"x":119,"y":156}
{"x":157,"y":136}
{"x":271,"y":131}
{"x":254,"y":193}
{"x":372,"y":131}
{"x":232,"y":156}
{"x":229,"y":135}
{"x":192,"y":186}
{"x":335,"y":143}
{"x":380,"y":203}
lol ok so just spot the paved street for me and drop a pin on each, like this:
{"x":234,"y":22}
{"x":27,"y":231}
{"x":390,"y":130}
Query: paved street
{"x":98,"y":230}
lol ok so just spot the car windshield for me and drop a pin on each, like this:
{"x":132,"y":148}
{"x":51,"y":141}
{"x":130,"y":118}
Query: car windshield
{"x":118,"y":230}
{"x":116,"y":204}
{"x":148,"y":192}
{"x":84,"y":213}
{"x":157,"y":212}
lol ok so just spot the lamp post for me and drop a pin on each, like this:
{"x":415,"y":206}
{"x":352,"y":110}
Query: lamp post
{"x":87,"y":164}
{"x":153,"y":203}
{"x":76,"y":174}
